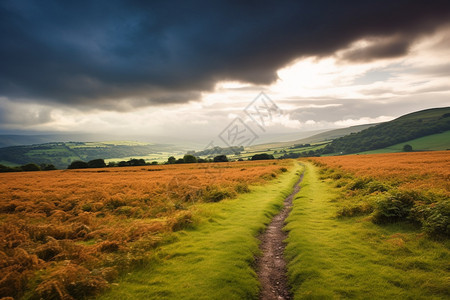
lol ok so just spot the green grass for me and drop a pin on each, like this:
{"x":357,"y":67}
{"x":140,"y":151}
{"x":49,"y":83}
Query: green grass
{"x":331,"y":258}
{"x":213,"y":260}
{"x":439,"y":141}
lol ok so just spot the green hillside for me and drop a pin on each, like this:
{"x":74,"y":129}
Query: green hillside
{"x":313,"y":139}
{"x":438,"y":141}
{"x":399,"y":131}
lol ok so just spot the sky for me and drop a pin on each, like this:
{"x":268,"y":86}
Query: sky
{"x":191,"y":69}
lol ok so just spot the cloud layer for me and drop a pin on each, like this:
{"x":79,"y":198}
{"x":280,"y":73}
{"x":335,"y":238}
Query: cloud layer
{"x":121,"y":55}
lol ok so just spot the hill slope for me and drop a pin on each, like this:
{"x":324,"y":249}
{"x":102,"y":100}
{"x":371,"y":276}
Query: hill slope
{"x":400,"y":130}
{"x":315,"y":138}
{"x":434,"y":142}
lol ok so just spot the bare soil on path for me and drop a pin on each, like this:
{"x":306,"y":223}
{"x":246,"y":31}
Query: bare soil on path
{"x":271,"y":265}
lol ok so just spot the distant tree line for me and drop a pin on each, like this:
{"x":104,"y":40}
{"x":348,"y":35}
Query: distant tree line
{"x":300,"y":146}
{"x":189,"y":158}
{"x":28,"y":167}
{"x":100,"y":163}
{"x":236,"y":150}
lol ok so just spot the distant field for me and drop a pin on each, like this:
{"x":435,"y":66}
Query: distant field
{"x":160,"y":157}
{"x":413,"y":170}
{"x":68,"y":233}
{"x":61,"y":154}
{"x":439,"y":141}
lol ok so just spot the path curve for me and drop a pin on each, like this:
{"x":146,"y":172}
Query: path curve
{"x":271,"y":265}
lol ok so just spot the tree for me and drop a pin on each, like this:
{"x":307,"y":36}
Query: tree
{"x":221,"y":158}
{"x":136,"y":162}
{"x":96,"y":163}
{"x":407,"y":148}
{"x":30,"y":167}
{"x":78,"y":164}
{"x":171,"y":160}
{"x":47,"y":167}
{"x":188,"y":158}
{"x":123,"y":163}
{"x":262,"y":156}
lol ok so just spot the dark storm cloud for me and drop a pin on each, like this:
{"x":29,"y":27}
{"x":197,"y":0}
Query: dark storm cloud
{"x":94,"y":53}
{"x":379,"y":48}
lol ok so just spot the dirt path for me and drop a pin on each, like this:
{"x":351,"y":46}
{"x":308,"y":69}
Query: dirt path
{"x":271,"y":266}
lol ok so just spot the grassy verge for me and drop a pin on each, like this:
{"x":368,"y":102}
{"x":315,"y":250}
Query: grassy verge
{"x":214,"y":259}
{"x":332,"y":257}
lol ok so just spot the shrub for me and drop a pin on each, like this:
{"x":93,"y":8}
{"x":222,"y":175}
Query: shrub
{"x":359,"y":184}
{"x":108,"y":246}
{"x":242,"y":188}
{"x":70,"y":281}
{"x":394,"y":207}
{"x":434,"y":218}
{"x":115,"y":202}
{"x":376,"y":186}
{"x":213,"y":193}
{"x":49,"y":250}
{"x":181,"y":220}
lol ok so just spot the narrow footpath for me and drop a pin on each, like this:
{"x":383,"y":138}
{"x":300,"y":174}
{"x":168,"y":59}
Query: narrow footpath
{"x":271,"y":265}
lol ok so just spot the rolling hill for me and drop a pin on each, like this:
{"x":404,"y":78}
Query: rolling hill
{"x":438,"y":141}
{"x":405,"y":128}
{"x":316,"y":138}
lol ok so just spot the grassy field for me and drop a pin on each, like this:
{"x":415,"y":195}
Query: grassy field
{"x":214,"y":260}
{"x":70,"y":233}
{"x":439,"y":141}
{"x":336,"y":258}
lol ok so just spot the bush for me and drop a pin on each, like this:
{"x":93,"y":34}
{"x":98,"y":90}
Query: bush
{"x":435,"y":218}
{"x":181,"y":220}
{"x":70,"y":281}
{"x":214,"y":193}
{"x":359,"y":184}
{"x":394,"y":207}
{"x":242,"y":188}
{"x":376,"y":186}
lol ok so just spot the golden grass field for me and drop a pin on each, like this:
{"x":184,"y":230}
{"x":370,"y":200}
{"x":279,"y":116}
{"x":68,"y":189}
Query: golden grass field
{"x":416,"y":170}
{"x":73,"y":231}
